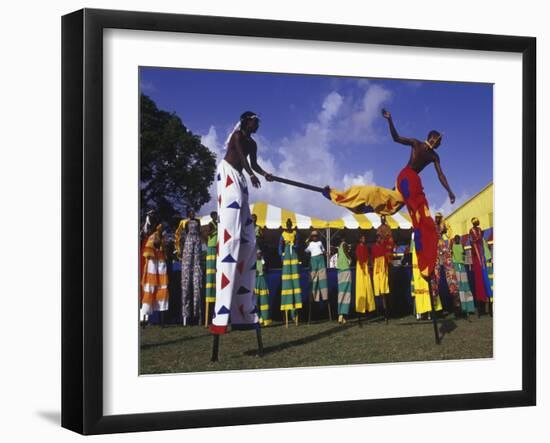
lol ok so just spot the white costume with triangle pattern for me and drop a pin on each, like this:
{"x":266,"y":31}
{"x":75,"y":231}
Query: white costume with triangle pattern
{"x":236,"y":259}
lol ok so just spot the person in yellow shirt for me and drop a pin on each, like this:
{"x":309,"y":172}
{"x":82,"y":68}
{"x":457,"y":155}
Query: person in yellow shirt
{"x":291,"y":292}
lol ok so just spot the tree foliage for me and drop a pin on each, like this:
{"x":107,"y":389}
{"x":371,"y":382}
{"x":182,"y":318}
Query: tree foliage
{"x":176,"y":170}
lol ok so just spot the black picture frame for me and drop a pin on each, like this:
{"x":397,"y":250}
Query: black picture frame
{"x":82,"y":216}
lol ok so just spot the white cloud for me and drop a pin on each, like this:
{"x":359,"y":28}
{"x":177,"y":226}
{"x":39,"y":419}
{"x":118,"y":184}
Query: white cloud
{"x":212,"y":142}
{"x":363,"y":179}
{"x":147,"y":86}
{"x":360,"y":124}
{"x":331,"y":106}
{"x":310,"y":155}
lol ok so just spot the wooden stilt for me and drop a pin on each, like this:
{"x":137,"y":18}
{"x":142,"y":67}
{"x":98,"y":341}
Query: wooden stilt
{"x":215,"y":348}
{"x":286,"y":318}
{"x":206,"y":312}
{"x":296,"y":318}
{"x":385,"y":304}
{"x":260,"y":343}
{"x":329,"y":311}
{"x":434,"y":318}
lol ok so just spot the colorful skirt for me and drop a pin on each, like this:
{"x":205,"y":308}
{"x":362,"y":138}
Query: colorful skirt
{"x":210,"y":295}
{"x":464,"y":291}
{"x":364,"y":294}
{"x":425,"y":233}
{"x":490,"y":276}
{"x":262,"y":293}
{"x":154,"y":287}
{"x":291,"y":293}
{"x":482,"y":287}
{"x":318,"y":274}
{"x":444,"y":260}
{"x":380,"y":277}
{"x":420,"y":289}
{"x":344,"y":291}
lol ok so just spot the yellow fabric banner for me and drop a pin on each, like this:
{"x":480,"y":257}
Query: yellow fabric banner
{"x":364,"y":199}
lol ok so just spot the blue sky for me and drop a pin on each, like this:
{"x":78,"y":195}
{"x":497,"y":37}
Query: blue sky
{"x":329,"y":130}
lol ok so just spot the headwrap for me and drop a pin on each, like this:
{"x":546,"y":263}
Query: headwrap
{"x":430,"y":146}
{"x":475,"y":220}
{"x":237,"y":127}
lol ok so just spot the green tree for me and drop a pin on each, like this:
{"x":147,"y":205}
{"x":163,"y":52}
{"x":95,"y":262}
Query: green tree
{"x":176,"y":170}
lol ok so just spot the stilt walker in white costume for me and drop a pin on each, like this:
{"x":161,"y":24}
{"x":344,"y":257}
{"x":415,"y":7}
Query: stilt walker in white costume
{"x":236,"y":260}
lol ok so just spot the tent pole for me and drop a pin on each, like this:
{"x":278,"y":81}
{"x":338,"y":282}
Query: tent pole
{"x":215,"y":348}
{"x":434,"y":318}
{"x":328,"y":246}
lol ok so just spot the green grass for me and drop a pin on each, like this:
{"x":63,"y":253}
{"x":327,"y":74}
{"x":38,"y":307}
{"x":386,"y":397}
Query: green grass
{"x":187,"y":349}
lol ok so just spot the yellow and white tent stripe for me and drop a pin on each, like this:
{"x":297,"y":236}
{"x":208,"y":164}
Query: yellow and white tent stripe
{"x":273,"y":217}
{"x":370,"y":221}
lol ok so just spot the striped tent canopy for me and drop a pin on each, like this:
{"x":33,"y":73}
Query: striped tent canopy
{"x":273,"y":217}
{"x":371,"y":221}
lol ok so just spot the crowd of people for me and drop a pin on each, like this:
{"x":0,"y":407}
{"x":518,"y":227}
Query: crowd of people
{"x":197,"y":251}
{"x":236,"y":269}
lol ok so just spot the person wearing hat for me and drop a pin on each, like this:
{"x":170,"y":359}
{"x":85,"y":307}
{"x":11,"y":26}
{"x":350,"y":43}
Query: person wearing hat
{"x":482,"y":287}
{"x":154,"y":282}
{"x":383,"y":229}
{"x":211,"y":244}
{"x":291,"y":292}
{"x":364,"y":294}
{"x":382,"y":251}
{"x":444,"y":260}
{"x":344,"y":281}
{"x":262,"y":290}
{"x":318,"y":273}
{"x":144,"y":233}
{"x":464,"y":291}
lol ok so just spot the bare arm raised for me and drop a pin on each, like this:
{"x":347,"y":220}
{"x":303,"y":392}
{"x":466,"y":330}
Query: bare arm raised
{"x":396,"y":137}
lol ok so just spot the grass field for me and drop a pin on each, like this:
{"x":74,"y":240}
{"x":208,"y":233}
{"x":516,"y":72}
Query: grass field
{"x":187,"y":349}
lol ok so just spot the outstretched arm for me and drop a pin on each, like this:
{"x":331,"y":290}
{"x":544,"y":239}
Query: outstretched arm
{"x":442,"y":178}
{"x":239,"y":148}
{"x":255,"y":166}
{"x":396,"y":137}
